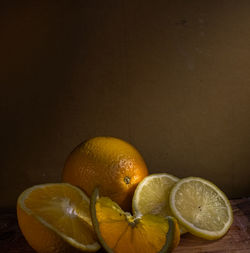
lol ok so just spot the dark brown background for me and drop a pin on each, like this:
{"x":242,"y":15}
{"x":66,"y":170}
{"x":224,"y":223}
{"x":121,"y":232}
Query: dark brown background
{"x":171,"y":77}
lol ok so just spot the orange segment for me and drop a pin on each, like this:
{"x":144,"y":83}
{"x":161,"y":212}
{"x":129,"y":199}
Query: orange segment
{"x":112,"y":220}
{"x":150,"y":232}
{"x":119,"y":232}
{"x":59,"y":217}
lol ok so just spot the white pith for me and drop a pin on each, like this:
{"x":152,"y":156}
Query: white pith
{"x":191,"y":227}
{"x":69,"y":209}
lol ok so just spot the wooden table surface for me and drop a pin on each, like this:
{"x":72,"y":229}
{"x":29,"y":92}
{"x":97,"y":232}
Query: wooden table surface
{"x":236,"y":240}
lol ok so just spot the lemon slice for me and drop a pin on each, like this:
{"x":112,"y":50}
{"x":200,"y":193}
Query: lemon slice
{"x":120,"y":232}
{"x":201,"y":207}
{"x":56,"y":218}
{"x":152,"y":196}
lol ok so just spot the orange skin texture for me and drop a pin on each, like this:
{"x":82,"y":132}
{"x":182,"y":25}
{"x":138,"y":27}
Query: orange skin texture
{"x":111,"y":164}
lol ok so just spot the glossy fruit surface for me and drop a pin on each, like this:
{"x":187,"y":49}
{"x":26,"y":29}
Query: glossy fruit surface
{"x":119,"y":232}
{"x":55,"y":218}
{"x":152,"y":196}
{"x":201,"y":207}
{"x":113,"y":165}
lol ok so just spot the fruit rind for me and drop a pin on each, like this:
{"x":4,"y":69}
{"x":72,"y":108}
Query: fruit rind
{"x":168,"y":246}
{"x":140,"y":186}
{"x":206,"y":234}
{"x":94,"y":197}
{"x":112,"y":164}
{"x":48,"y":228}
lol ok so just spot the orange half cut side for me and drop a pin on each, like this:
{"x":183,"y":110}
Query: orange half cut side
{"x":56,"y":218}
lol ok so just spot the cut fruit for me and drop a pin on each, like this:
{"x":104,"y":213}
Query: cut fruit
{"x":152,"y":196}
{"x":201,"y":207}
{"x":56,"y":218}
{"x":120,"y":232}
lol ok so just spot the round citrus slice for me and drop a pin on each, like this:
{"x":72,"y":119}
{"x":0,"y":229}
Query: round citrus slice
{"x":152,"y":196}
{"x":56,"y":218}
{"x":201,"y":207}
{"x":120,"y":232}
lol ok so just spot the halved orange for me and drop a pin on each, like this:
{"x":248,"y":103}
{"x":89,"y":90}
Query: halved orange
{"x":120,"y":232}
{"x":56,"y":218}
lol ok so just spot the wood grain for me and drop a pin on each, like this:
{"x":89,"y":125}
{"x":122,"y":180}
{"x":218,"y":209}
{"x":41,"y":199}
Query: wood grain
{"x":237,"y":240}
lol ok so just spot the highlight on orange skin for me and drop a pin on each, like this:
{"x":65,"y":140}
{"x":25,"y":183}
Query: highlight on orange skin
{"x":111,"y":164}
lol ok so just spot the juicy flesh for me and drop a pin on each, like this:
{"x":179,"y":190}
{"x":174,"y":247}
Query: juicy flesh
{"x":64,"y":209}
{"x":123,"y":233}
{"x":204,"y":207}
{"x":154,"y":196}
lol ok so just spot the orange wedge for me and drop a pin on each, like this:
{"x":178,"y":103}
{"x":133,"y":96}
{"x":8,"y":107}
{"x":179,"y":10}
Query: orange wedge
{"x":56,"y":218}
{"x":120,"y":232}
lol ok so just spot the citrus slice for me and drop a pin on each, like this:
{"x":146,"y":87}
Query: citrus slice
{"x":201,"y":207}
{"x":152,"y":196}
{"x":56,"y":218}
{"x":120,"y":232}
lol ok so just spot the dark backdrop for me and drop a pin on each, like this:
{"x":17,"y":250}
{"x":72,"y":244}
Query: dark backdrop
{"x":171,"y":77}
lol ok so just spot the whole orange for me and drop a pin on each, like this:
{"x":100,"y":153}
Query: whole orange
{"x":111,"y":164}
